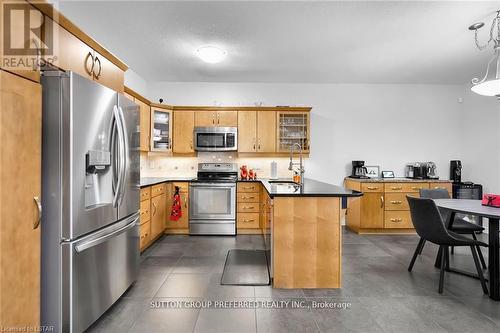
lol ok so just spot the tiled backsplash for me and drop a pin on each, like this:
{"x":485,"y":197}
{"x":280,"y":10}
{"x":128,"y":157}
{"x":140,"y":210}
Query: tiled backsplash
{"x":165,"y":166}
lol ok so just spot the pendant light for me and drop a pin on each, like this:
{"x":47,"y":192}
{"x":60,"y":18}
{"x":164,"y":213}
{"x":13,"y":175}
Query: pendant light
{"x":489,"y":85}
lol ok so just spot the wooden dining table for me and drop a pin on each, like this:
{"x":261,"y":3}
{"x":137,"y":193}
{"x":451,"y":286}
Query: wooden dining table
{"x":474,"y":207}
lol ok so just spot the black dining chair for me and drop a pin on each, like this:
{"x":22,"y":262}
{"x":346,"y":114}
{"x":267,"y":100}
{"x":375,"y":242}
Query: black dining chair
{"x":429,"y":225}
{"x":459,"y":225}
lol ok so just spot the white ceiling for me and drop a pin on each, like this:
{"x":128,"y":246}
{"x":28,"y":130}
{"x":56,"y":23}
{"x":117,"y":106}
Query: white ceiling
{"x":309,"y":41}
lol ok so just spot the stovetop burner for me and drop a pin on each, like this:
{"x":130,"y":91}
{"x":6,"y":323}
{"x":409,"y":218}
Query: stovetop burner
{"x":217,"y":172}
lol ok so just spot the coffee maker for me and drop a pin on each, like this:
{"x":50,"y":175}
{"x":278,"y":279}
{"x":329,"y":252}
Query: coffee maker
{"x":456,"y":171}
{"x":359,"y":169}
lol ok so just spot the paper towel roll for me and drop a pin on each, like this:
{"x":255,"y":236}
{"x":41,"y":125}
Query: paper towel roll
{"x":274,"y":170}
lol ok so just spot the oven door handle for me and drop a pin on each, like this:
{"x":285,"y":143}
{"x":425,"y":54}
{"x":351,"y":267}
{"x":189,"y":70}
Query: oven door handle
{"x":222,"y":185}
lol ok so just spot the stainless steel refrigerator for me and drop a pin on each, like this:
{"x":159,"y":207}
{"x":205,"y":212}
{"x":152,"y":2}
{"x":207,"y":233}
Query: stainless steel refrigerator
{"x":90,"y":199}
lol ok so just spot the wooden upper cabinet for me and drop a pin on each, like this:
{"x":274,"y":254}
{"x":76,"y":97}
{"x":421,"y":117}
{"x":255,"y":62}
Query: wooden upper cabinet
{"x":161,"y":130}
{"x":20,"y":176}
{"x":227,"y":118}
{"x":216,"y":118}
{"x":247,"y":131}
{"x":183,"y":132}
{"x":107,"y":73}
{"x":70,"y":53}
{"x":293,"y":127}
{"x":266,"y":132}
{"x":205,"y":118}
{"x":145,"y":114}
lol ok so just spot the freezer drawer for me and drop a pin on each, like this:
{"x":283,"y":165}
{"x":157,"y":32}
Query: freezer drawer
{"x":97,"y":270}
{"x":212,"y":227}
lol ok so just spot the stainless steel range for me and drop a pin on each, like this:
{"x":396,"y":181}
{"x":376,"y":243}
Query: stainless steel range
{"x":212,"y":200}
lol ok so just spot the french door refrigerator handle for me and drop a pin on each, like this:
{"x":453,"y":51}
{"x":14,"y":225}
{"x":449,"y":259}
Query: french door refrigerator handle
{"x":125,"y":152}
{"x":119,"y":128}
{"x":94,"y":242}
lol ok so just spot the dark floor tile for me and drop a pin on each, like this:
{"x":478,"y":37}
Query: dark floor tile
{"x":216,"y":291}
{"x":165,"y":249}
{"x":362,"y":250}
{"x":185,"y":285}
{"x":226,"y":320}
{"x":164,"y":262}
{"x":484,"y":305}
{"x":285,"y":319}
{"x":120,"y":317}
{"x":149,"y":280}
{"x":198,"y":265}
{"x":270,"y":292}
{"x":166,"y":319}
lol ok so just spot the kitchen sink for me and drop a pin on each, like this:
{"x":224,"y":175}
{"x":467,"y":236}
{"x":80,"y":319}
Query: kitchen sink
{"x":283,"y":182}
{"x":285,"y":187}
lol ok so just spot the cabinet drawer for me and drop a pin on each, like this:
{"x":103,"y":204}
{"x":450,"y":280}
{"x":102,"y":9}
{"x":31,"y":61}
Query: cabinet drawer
{"x":157,"y":190}
{"x":183,"y":187}
{"x":397,"y":219}
{"x":372,"y":187}
{"x":145,"y":211}
{"x":405,"y":187}
{"x":248,"y":187}
{"x":248,"y":207}
{"x":444,"y":186}
{"x":248,"y":220}
{"x":398,"y":201}
{"x":145,"y":193}
{"x":248,"y":197}
{"x":145,"y":235}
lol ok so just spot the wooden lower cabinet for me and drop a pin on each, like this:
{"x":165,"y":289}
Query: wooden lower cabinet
{"x":145,"y":234}
{"x":248,"y":208}
{"x":384,"y":208}
{"x":20,"y":179}
{"x":180,"y":226}
{"x":158,"y":217}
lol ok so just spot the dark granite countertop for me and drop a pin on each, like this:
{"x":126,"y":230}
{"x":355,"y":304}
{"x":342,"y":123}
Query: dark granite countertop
{"x":311,"y":188}
{"x":398,"y":180}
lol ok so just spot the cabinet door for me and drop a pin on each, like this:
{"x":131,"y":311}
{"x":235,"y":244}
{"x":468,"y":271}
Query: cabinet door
{"x":145,"y":112}
{"x":183,"y":132}
{"x":266,"y":132}
{"x":183,"y":222}
{"x":247,"y":131}
{"x":20,"y":158}
{"x":372,"y":210}
{"x":205,"y":118}
{"x":145,"y":235}
{"x":158,"y":209}
{"x":227,"y":118}
{"x":107,"y":73}
{"x":161,"y":130}
{"x":71,"y":53}
{"x":293,"y":127}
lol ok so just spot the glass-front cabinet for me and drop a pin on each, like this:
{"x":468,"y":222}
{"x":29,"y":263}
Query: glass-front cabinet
{"x":293,"y":127}
{"x":161,"y":130}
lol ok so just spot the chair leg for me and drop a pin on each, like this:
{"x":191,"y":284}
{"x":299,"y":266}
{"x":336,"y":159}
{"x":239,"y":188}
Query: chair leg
{"x":479,"y":252}
{"x":452,"y":250}
{"x":421,"y":247}
{"x":417,"y":251}
{"x":479,"y":270}
{"x":444,"y":250}
{"x":447,"y":257}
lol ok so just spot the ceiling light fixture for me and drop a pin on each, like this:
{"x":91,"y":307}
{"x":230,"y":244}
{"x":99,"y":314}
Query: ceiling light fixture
{"x":489,"y":85}
{"x":211,"y":54}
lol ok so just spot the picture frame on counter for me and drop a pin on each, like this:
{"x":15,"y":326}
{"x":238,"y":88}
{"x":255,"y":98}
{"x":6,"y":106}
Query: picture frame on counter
{"x":387,"y":174}
{"x":373,"y":171}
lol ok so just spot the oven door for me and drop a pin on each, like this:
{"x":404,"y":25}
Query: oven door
{"x":215,"y":139}
{"x":212,"y":201}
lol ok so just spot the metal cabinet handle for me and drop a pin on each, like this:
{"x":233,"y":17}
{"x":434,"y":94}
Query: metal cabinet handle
{"x":248,"y":187}
{"x":248,"y":197}
{"x":416,"y":188}
{"x":396,"y":188}
{"x":372,"y":187}
{"x":185,"y":203}
{"x":191,"y":144}
{"x":249,"y":220}
{"x":382,"y":201}
{"x":218,"y":118}
{"x":154,"y":206}
{"x":248,"y":207}
{"x":91,"y":70}
{"x":100,"y":68}
{"x":259,"y":143}
{"x":397,"y":220}
{"x":396,"y":202}
{"x":39,"y":207}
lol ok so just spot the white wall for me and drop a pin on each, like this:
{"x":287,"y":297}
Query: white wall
{"x":135,"y":82}
{"x":481,"y":141}
{"x":386,"y":125}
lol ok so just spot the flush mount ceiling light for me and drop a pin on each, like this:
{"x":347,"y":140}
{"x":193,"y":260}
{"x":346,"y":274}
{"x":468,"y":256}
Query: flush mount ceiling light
{"x":489,"y":85}
{"x":211,"y":54}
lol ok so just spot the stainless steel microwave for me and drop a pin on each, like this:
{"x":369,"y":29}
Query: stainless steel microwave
{"x":215,"y":138}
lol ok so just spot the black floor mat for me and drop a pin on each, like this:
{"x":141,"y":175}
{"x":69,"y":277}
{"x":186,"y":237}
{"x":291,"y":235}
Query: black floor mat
{"x":246,"y":268}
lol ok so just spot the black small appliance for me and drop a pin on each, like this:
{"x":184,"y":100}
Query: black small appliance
{"x":359,"y":169}
{"x":456,"y":171}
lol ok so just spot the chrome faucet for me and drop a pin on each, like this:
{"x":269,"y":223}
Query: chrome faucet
{"x":300,"y":164}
